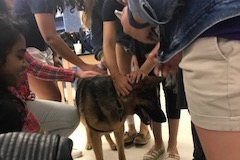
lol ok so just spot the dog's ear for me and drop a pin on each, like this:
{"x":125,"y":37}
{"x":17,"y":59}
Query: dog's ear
{"x":157,"y":79}
{"x":154,"y":80}
{"x":148,"y":80}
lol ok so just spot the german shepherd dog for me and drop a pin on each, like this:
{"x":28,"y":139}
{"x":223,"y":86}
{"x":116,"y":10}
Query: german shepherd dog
{"x":103,"y":111}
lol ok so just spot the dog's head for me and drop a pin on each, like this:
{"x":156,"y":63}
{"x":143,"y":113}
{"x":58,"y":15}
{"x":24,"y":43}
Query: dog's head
{"x":145,"y":98}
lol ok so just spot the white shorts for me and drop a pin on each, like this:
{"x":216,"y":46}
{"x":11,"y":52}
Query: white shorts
{"x":45,"y":57}
{"x":211,"y":74}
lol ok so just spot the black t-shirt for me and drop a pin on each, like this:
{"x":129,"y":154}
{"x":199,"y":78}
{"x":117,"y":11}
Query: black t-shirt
{"x":25,"y":10}
{"x":12,"y":112}
{"x":109,"y":7}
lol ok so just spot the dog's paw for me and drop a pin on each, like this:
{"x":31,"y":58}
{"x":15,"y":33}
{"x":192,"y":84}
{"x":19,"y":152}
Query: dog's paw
{"x":113,"y":147}
{"x":88,"y":147}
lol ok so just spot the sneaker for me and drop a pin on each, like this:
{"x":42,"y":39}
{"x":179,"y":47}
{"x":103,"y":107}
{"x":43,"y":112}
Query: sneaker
{"x":129,"y":137}
{"x":155,"y":154}
{"x":76,"y":153}
{"x":142,"y":139}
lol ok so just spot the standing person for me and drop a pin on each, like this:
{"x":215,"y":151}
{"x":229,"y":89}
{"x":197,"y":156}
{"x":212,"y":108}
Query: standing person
{"x":42,"y":40}
{"x":117,"y":56}
{"x":93,"y":18}
{"x":210,"y":46}
{"x":171,"y":93}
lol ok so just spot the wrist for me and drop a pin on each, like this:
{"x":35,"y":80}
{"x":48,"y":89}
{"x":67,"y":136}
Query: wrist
{"x":114,"y":76}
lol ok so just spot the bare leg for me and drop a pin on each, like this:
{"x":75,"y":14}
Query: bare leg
{"x":157,"y":132}
{"x":143,"y":128}
{"x":173,"y":132}
{"x":158,"y":149}
{"x":131,"y":124}
{"x":219,"y":144}
{"x":47,"y":90}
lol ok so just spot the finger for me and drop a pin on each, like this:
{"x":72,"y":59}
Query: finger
{"x":128,"y":88}
{"x":138,"y":77}
{"x":129,"y":78}
{"x":156,"y":48}
{"x":118,"y":93}
{"x":124,"y":92}
{"x":156,"y":71}
{"x":143,"y":76}
{"x":134,"y":77}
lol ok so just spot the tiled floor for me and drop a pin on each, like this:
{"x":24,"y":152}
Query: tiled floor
{"x":185,"y":146}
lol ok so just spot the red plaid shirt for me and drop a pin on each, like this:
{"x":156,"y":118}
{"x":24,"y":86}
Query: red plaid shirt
{"x":41,"y":71}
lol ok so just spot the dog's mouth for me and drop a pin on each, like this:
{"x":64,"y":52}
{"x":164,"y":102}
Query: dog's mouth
{"x":146,"y":115}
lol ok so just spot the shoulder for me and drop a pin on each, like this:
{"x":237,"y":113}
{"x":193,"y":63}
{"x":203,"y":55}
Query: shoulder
{"x":108,"y":9}
{"x":40,"y":6}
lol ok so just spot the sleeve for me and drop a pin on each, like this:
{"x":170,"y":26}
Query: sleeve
{"x":10,"y":118}
{"x":97,"y":33}
{"x":42,"y":6}
{"x":109,"y":7}
{"x":48,"y":72}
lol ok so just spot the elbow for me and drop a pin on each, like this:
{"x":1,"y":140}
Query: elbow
{"x":50,"y":40}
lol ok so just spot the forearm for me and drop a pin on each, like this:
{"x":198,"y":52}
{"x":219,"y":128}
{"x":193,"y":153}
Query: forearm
{"x":148,"y":66}
{"x":110,"y":58}
{"x":47,"y":72}
{"x":47,"y":27}
{"x":151,"y":60}
{"x":59,"y":46}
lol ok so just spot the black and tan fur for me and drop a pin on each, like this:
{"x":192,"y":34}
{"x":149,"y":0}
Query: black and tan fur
{"x":103,"y":111}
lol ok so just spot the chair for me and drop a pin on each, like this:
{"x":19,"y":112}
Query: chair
{"x":34,"y":146}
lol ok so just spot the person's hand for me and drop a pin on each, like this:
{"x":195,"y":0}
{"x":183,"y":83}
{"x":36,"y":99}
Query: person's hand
{"x":31,"y":96}
{"x":171,"y":66}
{"x":136,"y":76}
{"x":122,"y":85}
{"x":156,"y":70}
{"x":141,"y":35}
{"x":153,"y":55}
{"x":94,"y":67}
{"x":86,"y":74}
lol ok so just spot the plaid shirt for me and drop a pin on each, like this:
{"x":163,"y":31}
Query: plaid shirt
{"x":41,"y":71}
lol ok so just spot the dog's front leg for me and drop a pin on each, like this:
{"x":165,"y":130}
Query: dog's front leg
{"x":96,"y":144}
{"x":120,"y":142}
{"x":88,"y":145}
{"x":110,"y":142}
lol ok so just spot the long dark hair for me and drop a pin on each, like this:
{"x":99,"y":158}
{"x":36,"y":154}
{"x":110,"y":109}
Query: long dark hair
{"x":79,"y":4}
{"x":10,"y":30}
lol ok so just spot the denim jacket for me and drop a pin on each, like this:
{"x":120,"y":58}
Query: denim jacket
{"x":194,"y":18}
